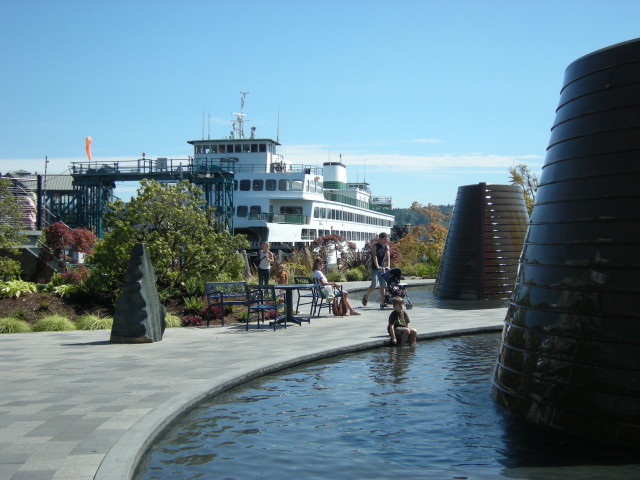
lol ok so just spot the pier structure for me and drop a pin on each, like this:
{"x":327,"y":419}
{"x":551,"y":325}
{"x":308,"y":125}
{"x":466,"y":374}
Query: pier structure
{"x":94,"y":183}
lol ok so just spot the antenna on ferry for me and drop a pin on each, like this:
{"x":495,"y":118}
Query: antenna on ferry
{"x":240,"y":117}
{"x":209,"y":125}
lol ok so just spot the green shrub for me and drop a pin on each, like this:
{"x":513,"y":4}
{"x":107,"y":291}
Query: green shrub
{"x":65,"y":290}
{"x":54,"y":323}
{"x":15,"y":288}
{"x":173,"y":321}
{"x":193,"y":304}
{"x":14,"y":325}
{"x":335,"y":277}
{"x":94,"y":322}
{"x":194,"y":286}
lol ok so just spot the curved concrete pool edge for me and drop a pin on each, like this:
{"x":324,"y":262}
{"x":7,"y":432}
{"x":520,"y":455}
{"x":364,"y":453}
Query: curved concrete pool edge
{"x":76,"y":407}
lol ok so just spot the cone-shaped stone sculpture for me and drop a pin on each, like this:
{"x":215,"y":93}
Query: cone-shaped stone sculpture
{"x":139,"y":317}
{"x":483,"y":245}
{"x":570,"y":354}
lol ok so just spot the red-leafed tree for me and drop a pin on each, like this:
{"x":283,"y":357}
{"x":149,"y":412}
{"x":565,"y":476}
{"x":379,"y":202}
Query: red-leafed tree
{"x":61,"y":239}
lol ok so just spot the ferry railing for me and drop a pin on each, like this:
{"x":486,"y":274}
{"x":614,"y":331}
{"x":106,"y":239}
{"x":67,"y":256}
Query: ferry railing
{"x":178,"y":165}
{"x":335,"y":197}
{"x":141,"y":165}
{"x":293,"y":219}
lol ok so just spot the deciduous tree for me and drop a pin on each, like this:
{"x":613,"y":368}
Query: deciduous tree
{"x":180,"y":233}
{"x":521,"y":175}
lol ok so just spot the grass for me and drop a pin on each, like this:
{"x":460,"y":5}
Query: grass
{"x":14,"y":325}
{"x":94,"y":322}
{"x":54,"y":323}
{"x":173,"y":321}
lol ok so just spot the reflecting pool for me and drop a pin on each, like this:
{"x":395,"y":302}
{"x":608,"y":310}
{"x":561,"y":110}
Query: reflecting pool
{"x":422,"y":296}
{"x":413,"y":413}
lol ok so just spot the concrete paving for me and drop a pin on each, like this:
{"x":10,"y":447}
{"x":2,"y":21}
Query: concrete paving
{"x":74,"y":406}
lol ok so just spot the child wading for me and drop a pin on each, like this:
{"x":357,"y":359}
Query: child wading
{"x":399,"y":329}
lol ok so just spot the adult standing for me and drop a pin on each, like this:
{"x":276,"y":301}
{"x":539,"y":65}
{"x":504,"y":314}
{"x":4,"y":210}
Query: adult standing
{"x":380,"y":262}
{"x":264,"y":266}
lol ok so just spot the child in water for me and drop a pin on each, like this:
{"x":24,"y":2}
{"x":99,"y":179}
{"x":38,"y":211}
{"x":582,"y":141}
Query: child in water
{"x":399,"y":325}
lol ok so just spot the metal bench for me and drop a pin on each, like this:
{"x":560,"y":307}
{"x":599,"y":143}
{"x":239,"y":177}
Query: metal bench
{"x":222,"y":294}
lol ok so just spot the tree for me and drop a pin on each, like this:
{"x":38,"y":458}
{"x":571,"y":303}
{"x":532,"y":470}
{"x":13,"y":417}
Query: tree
{"x":436,"y":231}
{"x":179,"y":231}
{"x":11,"y":218}
{"x":61,"y":238}
{"x":521,"y":175}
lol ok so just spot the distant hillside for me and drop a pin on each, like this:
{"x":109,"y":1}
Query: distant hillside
{"x":406,"y":216}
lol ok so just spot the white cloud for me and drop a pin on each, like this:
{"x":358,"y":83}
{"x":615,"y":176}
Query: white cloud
{"x":317,"y":154}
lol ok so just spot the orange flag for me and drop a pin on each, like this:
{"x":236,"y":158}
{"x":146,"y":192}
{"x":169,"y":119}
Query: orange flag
{"x":87,"y":146}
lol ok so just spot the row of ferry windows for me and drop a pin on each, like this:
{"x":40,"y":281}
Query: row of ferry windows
{"x":320,"y":212}
{"x":312,"y":234}
{"x":348,"y":216}
{"x":283,"y":185}
{"x":234,"y":148}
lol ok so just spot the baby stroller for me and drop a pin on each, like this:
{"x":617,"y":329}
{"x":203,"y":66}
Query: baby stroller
{"x":395,"y":288}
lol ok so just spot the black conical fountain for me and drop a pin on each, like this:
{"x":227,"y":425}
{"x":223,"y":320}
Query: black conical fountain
{"x":483,"y":245}
{"x":570,"y":354}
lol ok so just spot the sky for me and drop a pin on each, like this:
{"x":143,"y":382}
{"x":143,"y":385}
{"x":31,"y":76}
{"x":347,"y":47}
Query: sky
{"x":416,"y":97}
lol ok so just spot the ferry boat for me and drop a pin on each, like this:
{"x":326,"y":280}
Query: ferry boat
{"x":290,"y":205}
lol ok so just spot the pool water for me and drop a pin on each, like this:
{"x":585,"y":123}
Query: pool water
{"x":413,"y":413}
{"x":422,"y":296}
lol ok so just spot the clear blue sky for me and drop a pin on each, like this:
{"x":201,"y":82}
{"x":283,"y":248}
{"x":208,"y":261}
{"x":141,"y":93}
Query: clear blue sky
{"x":419,"y":97}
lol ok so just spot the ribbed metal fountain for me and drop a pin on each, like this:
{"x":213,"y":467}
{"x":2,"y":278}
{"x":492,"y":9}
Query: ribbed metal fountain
{"x":483,"y":245}
{"x":570,"y":357}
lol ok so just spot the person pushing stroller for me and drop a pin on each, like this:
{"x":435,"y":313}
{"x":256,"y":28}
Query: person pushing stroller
{"x":380,"y":263}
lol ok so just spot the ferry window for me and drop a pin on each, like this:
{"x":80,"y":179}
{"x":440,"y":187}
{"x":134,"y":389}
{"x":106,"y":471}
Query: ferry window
{"x":307,"y":186}
{"x":258,"y":185}
{"x":198,"y":149}
{"x":283,"y":185}
{"x":205,"y":149}
{"x":262,"y":147}
{"x":235,"y":185}
{"x":246,"y":148}
{"x":323,"y":212}
{"x":238,"y":148}
{"x":312,"y":234}
{"x":305,"y":234}
{"x":291,"y":210}
{"x":254,"y":148}
{"x":242,"y":210}
{"x":245,"y":185}
{"x":255,"y":209}
{"x":221,"y":148}
{"x":270,"y":186}
{"x":316,"y":212}
{"x":296,"y":185}
{"x":319,"y":186}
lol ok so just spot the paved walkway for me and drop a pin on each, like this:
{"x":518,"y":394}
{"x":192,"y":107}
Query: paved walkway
{"x":74,"y":406}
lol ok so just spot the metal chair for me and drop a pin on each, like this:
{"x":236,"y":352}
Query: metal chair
{"x":262,"y":300}
{"x":306,"y":297}
{"x":325,"y":300}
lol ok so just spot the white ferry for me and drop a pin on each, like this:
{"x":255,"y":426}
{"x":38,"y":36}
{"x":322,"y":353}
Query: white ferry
{"x":290,"y":205}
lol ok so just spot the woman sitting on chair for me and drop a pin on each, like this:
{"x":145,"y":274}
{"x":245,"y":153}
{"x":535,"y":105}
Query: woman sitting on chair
{"x":318,"y":275}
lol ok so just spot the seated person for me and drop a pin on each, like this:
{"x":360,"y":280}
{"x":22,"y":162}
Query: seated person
{"x":399,"y":325}
{"x":318,"y":275}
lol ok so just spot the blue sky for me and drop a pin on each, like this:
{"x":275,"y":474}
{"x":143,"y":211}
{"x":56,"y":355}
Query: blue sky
{"x":419,"y":97}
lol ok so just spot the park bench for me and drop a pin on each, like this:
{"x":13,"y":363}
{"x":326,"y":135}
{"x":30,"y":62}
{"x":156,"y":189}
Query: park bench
{"x":223,"y":294}
{"x":262,"y":301}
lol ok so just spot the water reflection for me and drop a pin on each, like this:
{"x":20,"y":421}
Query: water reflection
{"x":422,"y":296}
{"x":415,"y":413}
